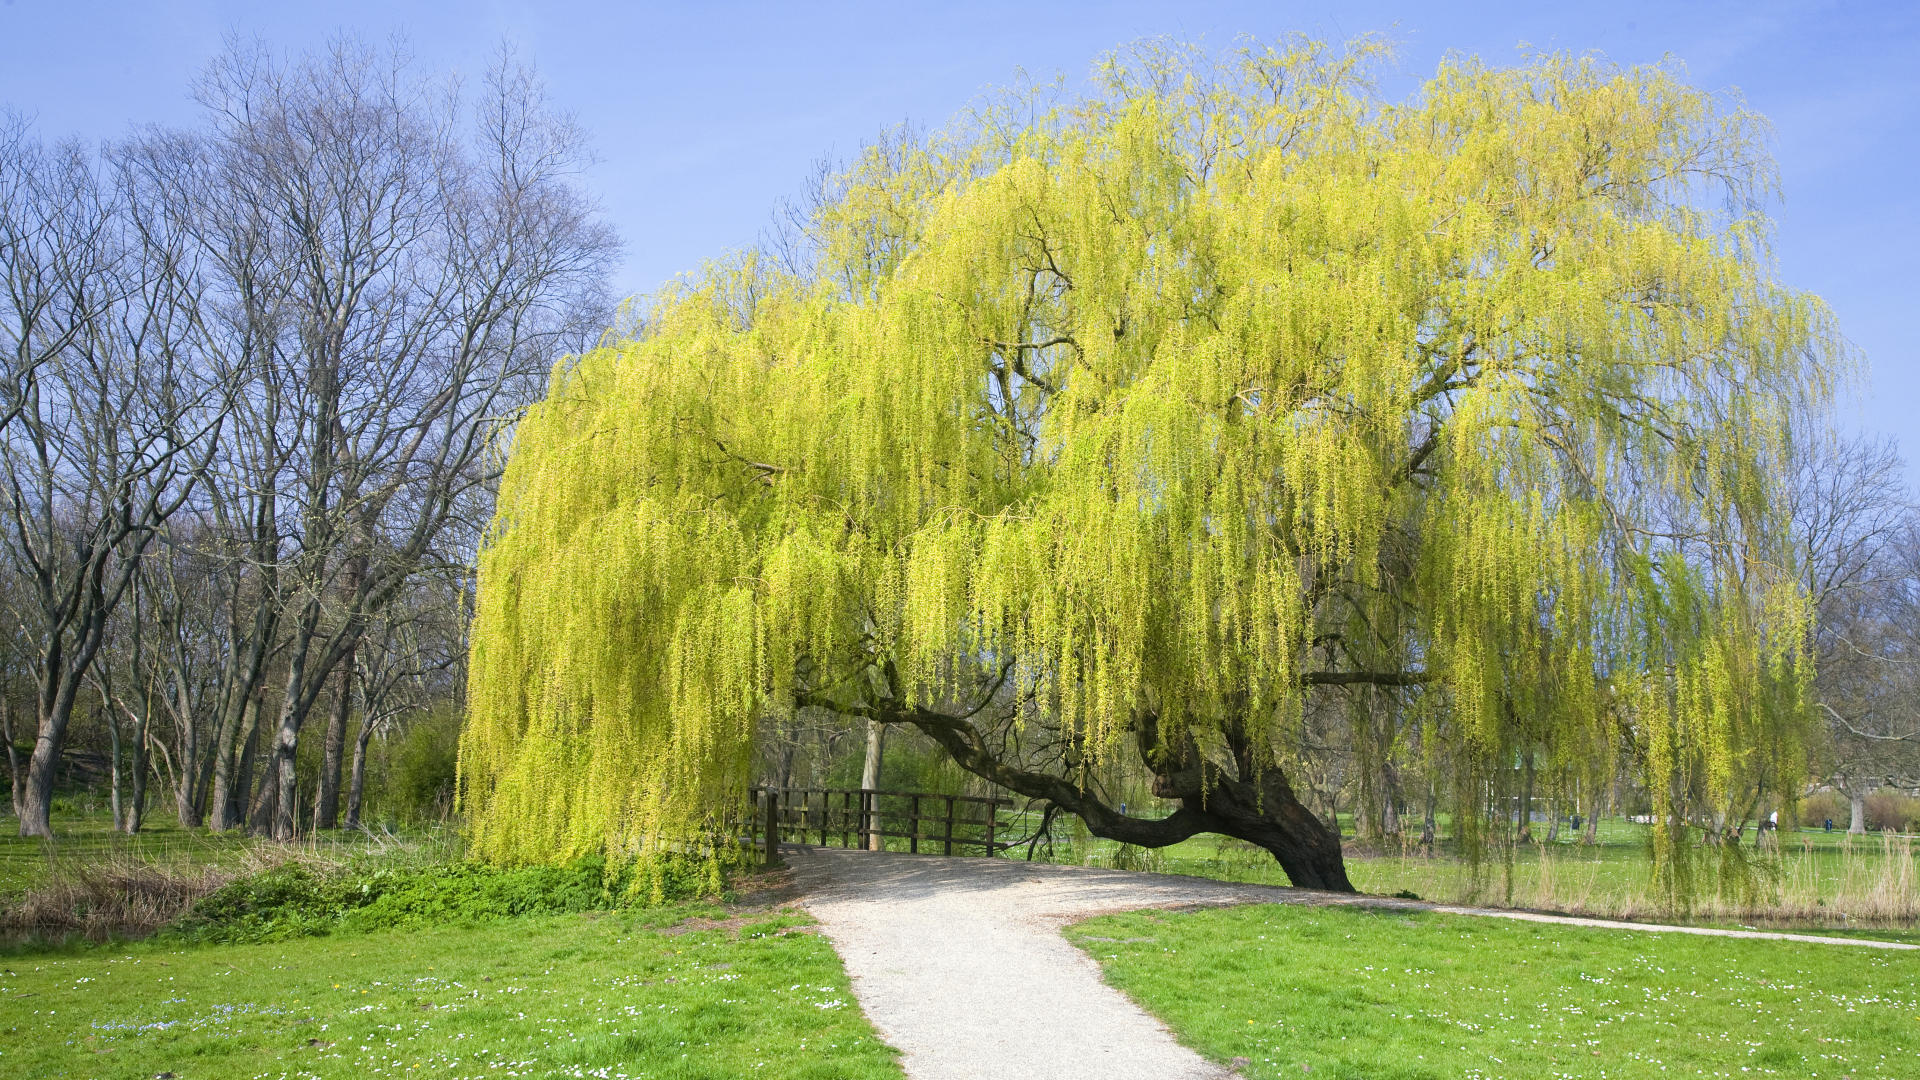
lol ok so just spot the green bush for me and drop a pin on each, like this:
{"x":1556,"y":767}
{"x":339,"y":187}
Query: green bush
{"x":297,"y":901}
{"x":421,"y":774}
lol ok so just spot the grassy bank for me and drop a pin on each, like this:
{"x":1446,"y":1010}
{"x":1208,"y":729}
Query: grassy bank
{"x":681,"y":992}
{"x":1342,"y":994}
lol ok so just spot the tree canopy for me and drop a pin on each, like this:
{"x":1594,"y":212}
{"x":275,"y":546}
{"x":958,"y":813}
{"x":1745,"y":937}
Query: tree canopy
{"x":1142,"y":417}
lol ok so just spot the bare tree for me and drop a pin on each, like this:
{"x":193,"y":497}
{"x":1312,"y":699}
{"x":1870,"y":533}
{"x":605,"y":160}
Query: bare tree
{"x":255,"y":371}
{"x":431,"y":265}
{"x":1855,"y":526}
{"x":105,"y":417}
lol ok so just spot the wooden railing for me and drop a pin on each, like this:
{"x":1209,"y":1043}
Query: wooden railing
{"x":867,"y":817}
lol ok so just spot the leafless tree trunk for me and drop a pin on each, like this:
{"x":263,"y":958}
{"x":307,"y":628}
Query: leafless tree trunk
{"x":15,"y":775}
{"x":326,"y":804}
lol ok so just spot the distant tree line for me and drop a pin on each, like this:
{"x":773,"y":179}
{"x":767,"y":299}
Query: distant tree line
{"x":255,"y":375}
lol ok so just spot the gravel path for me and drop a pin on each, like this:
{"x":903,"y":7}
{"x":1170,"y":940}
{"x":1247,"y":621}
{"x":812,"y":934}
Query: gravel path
{"x":960,"y":965}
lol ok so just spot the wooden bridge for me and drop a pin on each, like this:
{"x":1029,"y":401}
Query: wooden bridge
{"x":868,"y":817}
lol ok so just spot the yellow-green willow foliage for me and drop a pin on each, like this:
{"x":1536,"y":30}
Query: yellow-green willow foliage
{"x":1173,"y":397}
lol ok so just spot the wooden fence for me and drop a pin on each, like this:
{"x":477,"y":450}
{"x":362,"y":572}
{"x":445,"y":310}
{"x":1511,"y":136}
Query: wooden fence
{"x":858,"y":817}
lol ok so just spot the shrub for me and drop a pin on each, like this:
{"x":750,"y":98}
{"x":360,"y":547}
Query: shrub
{"x":421,"y":777}
{"x":1822,"y":806}
{"x":296,"y":901}
{"x":1888,"y":809}
{"x":116,"y":897}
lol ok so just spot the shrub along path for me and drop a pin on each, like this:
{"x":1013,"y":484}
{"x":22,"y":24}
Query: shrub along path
{"x":960,"y":964}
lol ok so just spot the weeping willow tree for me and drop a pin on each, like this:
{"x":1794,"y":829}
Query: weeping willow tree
{"x":1120,"y":426}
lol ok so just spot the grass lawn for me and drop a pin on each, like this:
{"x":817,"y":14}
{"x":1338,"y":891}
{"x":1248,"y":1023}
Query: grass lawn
{"x":1343,"y":994}
{"x":614,"y":994}
{"x":1814,"y":881}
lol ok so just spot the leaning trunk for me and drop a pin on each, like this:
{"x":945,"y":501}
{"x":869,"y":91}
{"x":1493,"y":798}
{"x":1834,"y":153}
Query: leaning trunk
{"x":265,"y":808}
{"x":36,"y":808}
{"x":1254,"y":802}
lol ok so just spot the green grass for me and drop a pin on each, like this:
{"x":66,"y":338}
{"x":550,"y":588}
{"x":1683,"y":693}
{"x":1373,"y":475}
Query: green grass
{"x":1812,"y":880}
{"x":82,"y":838}
{"x":617,"y":994}
{"x":1345,"y":994}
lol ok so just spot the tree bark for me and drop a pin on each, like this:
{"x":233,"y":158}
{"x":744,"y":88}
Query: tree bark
{"x":326,"y":803}
{"x":113,"y":763}
{"x":265,"y":809}
{"x":356,"y":786}
{"x":16,"y":781}
{"x":1429,"y":822}
{"x":239,"y":792}
{"x":1526,"y":800}
{"x":59,"y":688}
{"x":1254,"y":803}
{"x":1390,"y":799}
{"x":233,"y":758}
{"x":186,"y":792}
{"x":870,"y":778}
{"x":1857,"y":805}
{"x":137,"y":778}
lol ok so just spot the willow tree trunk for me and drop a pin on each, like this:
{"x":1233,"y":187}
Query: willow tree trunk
{"x":1525,"y":834}
{"x":1429,"y":821}
{"x":1390,"y":799}
{"x":1252,"y":801}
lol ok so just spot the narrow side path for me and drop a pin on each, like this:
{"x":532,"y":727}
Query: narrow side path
{"x":960,"y":965}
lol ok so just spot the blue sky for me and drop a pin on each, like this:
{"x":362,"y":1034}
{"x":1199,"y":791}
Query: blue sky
{"x":704,"y":115}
